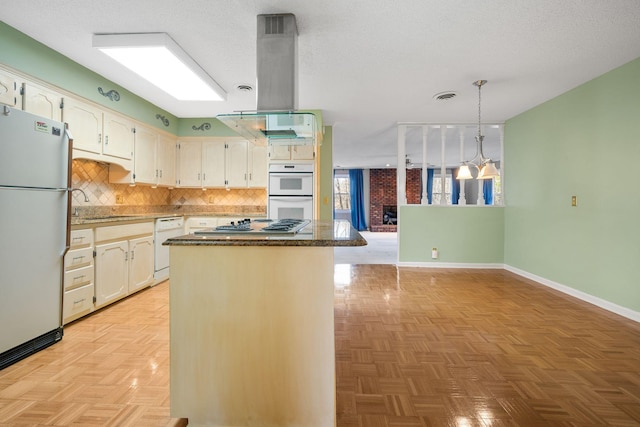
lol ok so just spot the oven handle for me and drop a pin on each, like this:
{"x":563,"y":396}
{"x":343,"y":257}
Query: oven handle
{"x":291,"y":174}
{"x":290,"y":198}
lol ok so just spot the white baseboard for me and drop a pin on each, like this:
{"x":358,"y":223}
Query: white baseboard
{"x":451,"y":265}
{"x":607,"y":305}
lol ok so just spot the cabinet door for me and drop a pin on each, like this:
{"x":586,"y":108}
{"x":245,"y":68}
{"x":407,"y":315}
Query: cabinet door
{"x":213,"y":153}
{"x":8,"y":89}
{"x":41,"y":101}
{"x":279,"y":152}
{"x":258,"y":173}
{"x":145,"y":155}
{"x":141,"y":263}
{"x":166,"y":161}
{"x":85,"y":125}
{"x":302,"y":152}
{"x":112,"y":271}
{"x":189,"y":164}
{"x":118,"y":136}
{"x":236,"y":164}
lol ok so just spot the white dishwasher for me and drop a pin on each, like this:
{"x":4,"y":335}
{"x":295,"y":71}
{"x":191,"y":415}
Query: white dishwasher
{"x":165,"y":229}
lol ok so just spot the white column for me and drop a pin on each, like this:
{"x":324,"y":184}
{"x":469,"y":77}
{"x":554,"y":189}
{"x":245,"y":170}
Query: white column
{"x":480,"y":201}
{"x":443,"y":166}
{"x":425,"y":132}
{"x":401,"y":172}
{"x":462,"y":200}
{"x":501,"y":128}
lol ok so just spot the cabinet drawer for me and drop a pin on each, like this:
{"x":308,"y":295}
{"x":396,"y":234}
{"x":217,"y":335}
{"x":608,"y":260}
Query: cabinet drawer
{"x":81,"y":238}
{"x":117,"y":232}
{"x":78,"y":258}
{"x":77,"y":303}
{"x":78,"y":277}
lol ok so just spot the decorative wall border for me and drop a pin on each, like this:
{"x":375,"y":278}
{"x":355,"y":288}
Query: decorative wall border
{"x":112,"y":94}
{"x":202,"y":127}
{"x":162,"y":118}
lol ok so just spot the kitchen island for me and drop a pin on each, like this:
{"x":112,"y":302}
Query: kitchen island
{"x":252,"y":334}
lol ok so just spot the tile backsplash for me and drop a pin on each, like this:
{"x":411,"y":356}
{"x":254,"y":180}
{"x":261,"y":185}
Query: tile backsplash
{"x":93,"y":178}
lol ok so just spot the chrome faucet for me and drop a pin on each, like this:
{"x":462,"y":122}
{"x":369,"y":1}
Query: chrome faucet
{"x":86,"y":198}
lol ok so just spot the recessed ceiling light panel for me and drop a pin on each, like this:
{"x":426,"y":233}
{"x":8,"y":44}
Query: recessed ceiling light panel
{"x":159,"y":60}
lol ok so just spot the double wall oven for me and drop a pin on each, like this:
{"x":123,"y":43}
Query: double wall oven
{"x":290,"y":191}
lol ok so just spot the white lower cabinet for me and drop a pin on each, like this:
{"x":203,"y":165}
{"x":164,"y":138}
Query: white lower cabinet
{"x":112,"y":272}
{"x":124,"y":260}
{"x":140,"y":263}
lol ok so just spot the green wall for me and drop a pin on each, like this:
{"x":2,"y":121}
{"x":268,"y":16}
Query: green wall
{"x":462,"y":235}
{"x":326,"y":175}
{"x":583,"y":143}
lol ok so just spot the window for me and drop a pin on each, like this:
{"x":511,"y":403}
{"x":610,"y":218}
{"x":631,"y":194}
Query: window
{"x":497,"y":191}
{"x":341,"y":191}
{"x":437,"y":189}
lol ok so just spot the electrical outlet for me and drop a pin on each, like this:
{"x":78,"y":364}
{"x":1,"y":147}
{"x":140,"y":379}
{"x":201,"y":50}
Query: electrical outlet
{"x":574,"y":200}
{"x":119,"y":199}
{"x":211,"y":199}
{"x":434,"y":253}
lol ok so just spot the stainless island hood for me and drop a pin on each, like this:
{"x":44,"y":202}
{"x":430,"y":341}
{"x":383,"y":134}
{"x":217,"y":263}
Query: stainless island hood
{"x":276,"y":121}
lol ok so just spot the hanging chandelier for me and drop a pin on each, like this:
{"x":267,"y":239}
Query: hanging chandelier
{"x":486,"y":168}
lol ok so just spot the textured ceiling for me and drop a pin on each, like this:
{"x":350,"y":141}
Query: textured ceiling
{"x":368,"y":64}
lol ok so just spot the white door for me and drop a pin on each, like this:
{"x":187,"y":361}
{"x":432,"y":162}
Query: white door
{"x":118,"y":136}
{"x":8,"y":89}
{"x":302,"y":152}
{"x":85,"y":124}
{"x":145,"y":155}
{"x":166,"y":161}
{"x":258,"y":173}
{"x":190,"y":164}
{"x":112,"y":271}
{"x":42,"y":101}
{"x":141,"y":263}
{"x":213,"y":153}
{"x":236,"y":165}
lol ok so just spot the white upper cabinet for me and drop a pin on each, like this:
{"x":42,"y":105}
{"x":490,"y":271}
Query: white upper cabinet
{"x":85,"y":125}
{"x":257,"y":167}
{"x":118,"y":136}
{"x":291,"y":152}
{"x":236,"y":164}
{"x":99,"y":135}
{"x":144,"y":164}
{"x":8,"y":89}
{"x":166,"y":160}
{"x":211,"y":163}
{"x":39,"y":100}
{"x":213,"y":160}
{"x":189,"y":173}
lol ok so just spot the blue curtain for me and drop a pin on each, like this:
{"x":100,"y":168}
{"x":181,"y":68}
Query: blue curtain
{"x":356,"y":186}
{"x":429,"y":185}
{"x":455,"y":187}
{"x":487,"y":191}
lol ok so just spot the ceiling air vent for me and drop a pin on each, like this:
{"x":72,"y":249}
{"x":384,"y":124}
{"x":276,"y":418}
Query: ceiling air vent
{"x":444,"y":96}
{"x":274,"y":24}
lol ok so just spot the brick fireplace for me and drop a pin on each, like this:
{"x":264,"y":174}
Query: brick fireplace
{"x":383,"y":195}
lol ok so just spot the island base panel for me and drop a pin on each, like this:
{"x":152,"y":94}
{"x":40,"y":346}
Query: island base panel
{"x":252,"y":336}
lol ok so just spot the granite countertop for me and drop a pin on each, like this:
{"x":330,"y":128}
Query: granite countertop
{"x":318,"y":233}
{"x":97,"y":219}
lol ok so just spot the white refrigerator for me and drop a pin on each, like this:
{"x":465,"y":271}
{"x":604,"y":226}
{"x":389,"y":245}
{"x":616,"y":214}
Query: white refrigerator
{"x":34,"y":204}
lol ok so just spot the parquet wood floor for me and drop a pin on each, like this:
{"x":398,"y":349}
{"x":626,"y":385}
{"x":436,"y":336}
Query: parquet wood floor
{"x":414,"y":347}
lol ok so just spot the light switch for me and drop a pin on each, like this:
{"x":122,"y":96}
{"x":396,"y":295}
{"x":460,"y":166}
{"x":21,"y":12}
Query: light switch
{"x":574,"y":200}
